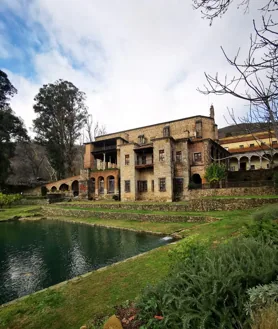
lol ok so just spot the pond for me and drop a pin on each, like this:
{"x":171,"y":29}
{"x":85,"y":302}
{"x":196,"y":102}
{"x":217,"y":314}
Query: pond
{"x":37,"y":254}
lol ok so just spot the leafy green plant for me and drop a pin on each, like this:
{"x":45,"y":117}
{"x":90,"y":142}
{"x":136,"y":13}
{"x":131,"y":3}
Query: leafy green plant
{"x":192,"y":246}
{"x":260,"y":297}
{"x":267,"y":212}
{"x":209,"y":291}
{"x":215,"y":172}
{"x":8,"y":199}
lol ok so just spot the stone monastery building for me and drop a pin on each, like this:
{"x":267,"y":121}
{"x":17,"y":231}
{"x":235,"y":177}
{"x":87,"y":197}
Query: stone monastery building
{"x":155,"y":162}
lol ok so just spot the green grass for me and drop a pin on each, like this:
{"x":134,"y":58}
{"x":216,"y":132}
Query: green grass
{"x":71,"y":305}
{"x":74,"y":304}
{"x":156,"y":227}
{"x":20,"y":211}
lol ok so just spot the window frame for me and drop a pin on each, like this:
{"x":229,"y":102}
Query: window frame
{"x":127,"y":160}
{"x":198,"y":158}
{"x":142,"y":186}
{"x":161,"y":154}
{"x":127,"y":186}
{"x":162,"y":184}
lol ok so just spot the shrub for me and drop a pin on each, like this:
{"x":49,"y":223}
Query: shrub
{"x":8,"y":199}
{"x":264,"y":230}
{"x":209,"y":291}
{"x":115,"y":197}
{"x":187,"y":248}
{"x":269,"y":212}
{"x":261,"y":296}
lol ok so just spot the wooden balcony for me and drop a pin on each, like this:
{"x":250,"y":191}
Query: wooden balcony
{"x":144,"y":163}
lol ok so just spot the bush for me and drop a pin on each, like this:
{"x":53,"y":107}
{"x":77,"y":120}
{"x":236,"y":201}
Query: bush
{"x":269,"y":212}
{"x":209,"y":291}
{"x":187,"y":248}
{"x":8,"y":199}
{"x":260,"y":297}
{"x":115,"y":197}
{"x":264,"y":230}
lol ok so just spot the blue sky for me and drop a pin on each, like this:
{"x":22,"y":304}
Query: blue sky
{"x":139,"y":62}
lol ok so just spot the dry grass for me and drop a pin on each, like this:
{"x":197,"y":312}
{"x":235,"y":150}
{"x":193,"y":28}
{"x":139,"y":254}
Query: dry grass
{"x":267,"y":318}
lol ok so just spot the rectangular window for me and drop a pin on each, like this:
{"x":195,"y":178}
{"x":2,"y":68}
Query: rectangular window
{"x":162,"y":184}
{"x":161,"y":155}
{"x":142,"y":186}
{"x":197,"y":157}
{"x":152,"y":185}
{"x":232,"y":168}
{"x":241,"y":146}
{"x":178,"y":156}
{"x":198,"y":129}
{"x":274,"y":142}
{"x":127,"y":159}
{"x":127,"y":186}
{"x":267,"y":166}
{"x":252,"y":167}
{"x":144,"y":159}
{"x":252,"y":145}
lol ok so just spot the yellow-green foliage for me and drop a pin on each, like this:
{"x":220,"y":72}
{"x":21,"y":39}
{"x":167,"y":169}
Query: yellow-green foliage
{"x":215,"y":172}
{"x":8,"y":199}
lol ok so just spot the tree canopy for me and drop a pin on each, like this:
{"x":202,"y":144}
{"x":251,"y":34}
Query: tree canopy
{"x":215,"y":172}
{"x":61,"y":113}
{"x":11,"y":127}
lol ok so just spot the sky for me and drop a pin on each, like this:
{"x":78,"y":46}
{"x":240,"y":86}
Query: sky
{"x":138,"y":61}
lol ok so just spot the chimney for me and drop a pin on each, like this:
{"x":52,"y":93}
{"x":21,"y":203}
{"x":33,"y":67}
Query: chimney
{"x":211,"y":110}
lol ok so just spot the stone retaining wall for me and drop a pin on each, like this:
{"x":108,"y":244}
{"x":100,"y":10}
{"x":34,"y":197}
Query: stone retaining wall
{"x":191,"y":205}
{"x":51,"y":211}
{"x":232,"y":191}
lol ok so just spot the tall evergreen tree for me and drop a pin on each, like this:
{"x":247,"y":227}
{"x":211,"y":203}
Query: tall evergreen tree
{"x":11,"y":127}
{"x":61,"y":111}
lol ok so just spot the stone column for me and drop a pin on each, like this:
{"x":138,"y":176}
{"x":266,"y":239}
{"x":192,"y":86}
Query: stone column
{"x":261,"y":164}
{"x":104,"y":161}
{"x":105,"y":185}
{"x":238,"y":163}
{"x":249,"y":164}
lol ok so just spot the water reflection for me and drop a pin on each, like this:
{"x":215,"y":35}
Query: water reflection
{"x":36,"y":255}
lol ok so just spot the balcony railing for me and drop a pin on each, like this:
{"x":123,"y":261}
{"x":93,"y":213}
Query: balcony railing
{"x":141,"y":163}
{"x":104,"y":148}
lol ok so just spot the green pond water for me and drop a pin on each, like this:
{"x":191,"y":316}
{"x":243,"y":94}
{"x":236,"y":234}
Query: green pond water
{"x":37,"y":254}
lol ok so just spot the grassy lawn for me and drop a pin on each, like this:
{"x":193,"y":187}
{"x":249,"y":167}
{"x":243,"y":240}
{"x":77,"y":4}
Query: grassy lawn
{"x":72,"y":305}
{"x":165,"y":228}
{"x":20,"y":211}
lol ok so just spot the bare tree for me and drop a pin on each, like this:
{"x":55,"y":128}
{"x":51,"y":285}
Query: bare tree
{"x":256,"y":78}
{"x":92,"y":129}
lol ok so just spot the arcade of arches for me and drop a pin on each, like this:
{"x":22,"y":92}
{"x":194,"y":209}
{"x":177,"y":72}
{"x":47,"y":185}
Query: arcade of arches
{"x":252,"y":161}
{"x":95,"y":184}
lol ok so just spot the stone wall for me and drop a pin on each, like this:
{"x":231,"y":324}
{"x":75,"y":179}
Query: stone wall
{"x":53,"y":212}
{"x":182,"y":128}
{"x":233,"y":191}
{"x":191,"y":205}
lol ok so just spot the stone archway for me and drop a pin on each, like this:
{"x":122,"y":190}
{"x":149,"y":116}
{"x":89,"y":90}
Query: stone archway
{"x":243,"y":163}
{"x":75,"y":188}
{"x":196,"y":180}
{"x":53,"y":189}
{"x":64,"y":187}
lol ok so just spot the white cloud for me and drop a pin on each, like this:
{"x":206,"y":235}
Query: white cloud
{"x":139,"y":62}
